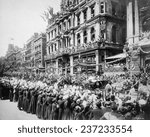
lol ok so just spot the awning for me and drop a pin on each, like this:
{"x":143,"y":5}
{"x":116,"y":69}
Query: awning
{"x":122,"y":55}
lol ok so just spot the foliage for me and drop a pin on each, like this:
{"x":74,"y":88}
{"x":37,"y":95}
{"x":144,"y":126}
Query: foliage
{"x":7,"y":66}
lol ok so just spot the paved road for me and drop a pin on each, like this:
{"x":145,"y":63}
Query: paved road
{"x":9,"y":111}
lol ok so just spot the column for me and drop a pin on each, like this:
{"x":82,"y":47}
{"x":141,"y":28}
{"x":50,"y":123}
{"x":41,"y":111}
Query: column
{"x":97,"y":8}
{"x":97,"y":31}
{"x":71,"y":41}
{"x":57,"y":66}
{"x":97,"y":59}
{"x":88,"y":13}
{"x":81,"y":18}
{"x":105,"y":56}
{"x":62,"y":43}
{"x":74,"y":22}
{"x":136,"y":22}
{"x":130,"y":22}
{"x":75,"y":39}
{"x":71,"y":65}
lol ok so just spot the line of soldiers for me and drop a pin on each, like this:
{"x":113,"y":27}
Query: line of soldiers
{"x":74,"y":102}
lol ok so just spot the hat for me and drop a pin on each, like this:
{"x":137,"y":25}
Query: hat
{"x":142,"y":102}
{"x":128,"y":116}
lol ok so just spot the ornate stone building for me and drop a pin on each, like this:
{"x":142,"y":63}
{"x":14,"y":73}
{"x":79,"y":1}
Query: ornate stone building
{"x":85,"y":32}
{"x":138,"y":31}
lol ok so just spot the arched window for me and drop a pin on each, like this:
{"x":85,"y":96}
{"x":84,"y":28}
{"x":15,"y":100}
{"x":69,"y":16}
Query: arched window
{"x":52,"y":47}
{"x":78,"y":38}
{"x":92,"y":11}
{"x":55,"y":47}
{"x":59,"y":43}
{"x":85,"y":15}
{"x":146,"y":24}
{"x":85,"y":36}
{"x":123,"y":35}
{"x":78,"y":19}
{"x":92,"y":34}
{"x":114,"y":8}
{"x":114,"y":34}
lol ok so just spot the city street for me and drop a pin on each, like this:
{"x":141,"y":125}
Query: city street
{"x":9,"y":111}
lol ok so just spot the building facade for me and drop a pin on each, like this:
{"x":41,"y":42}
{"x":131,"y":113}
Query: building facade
{"x":138,"y":32}
{"x":39,"y":51}
{"x":87,"y":31}
{"x":29,"y":52}
{"x":35,"y":50}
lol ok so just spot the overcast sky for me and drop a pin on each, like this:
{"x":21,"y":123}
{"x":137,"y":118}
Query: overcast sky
{"x":19,"y":19}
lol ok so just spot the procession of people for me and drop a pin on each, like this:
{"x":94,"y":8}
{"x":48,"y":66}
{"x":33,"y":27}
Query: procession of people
{"x":86,"y":97}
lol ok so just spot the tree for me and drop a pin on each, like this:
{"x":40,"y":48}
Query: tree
{"x":6,"y":66}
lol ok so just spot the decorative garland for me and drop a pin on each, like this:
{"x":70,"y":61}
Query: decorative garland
{"x":144,"y":51}
{"x":114,"y":61}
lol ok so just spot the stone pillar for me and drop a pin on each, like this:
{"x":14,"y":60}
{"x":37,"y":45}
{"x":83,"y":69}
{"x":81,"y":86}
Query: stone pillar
{"x":130,"y":22}
{"x":88,"y":13}
{"x":97,"y":8}
{"x":105,"y":56}
{"x":137,"y":29}
{"x":97,"y":31}
{"x":71,"y":41}
{"x":57,"y":66}
{"x":66,"y":41}
{"x":75,"y":20}
{"x":71,"y":65}
{"x":97,"y":59}
{"x":47,"y":50}
{"x":81,"y":18}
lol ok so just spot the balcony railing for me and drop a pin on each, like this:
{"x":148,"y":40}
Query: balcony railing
{"x":73,"y":49}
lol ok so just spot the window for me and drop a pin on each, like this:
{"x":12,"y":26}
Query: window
{"x":55,"y":32}
{"x":102,"y":7}
{"x":59,"y":28}
{"x":114,"y":34}
{"x":64,"y":25}
{"x":49,"y":35}
{"x":92,"y":34}
{"x":55,"y":47}
{"x":146,"y":23}
{"x":49,"y":49}
{"x":85,"y":15}
{"x":69,"y":23}
{"x":52,"y":47}
{"x":85,"y":36}
{"x":52,"y":34}
{"x":92,"y":11}
{"x":78,"y":19}
{"x":78,"y":38}
{"x":114,"y":8}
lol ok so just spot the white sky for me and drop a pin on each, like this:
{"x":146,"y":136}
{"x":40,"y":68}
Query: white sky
{"x":19,"y":19}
